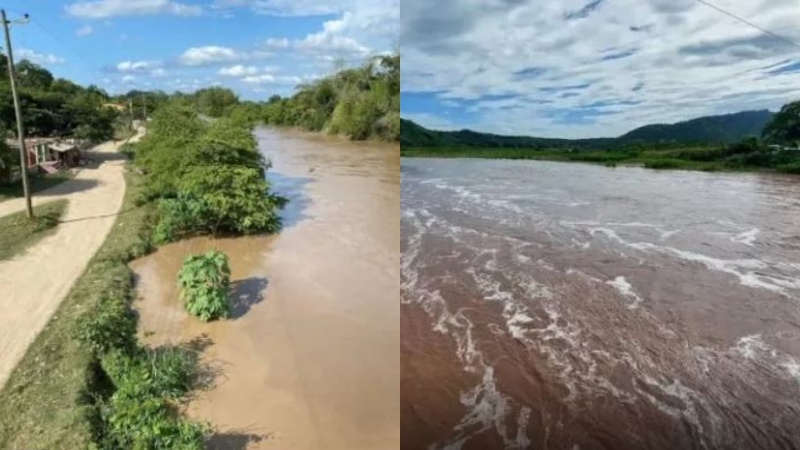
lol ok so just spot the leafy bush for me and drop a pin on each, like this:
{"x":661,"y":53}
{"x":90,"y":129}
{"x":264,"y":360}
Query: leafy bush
{"x":204,"y":281}
{"x":231,"y":199}
{"x":145,"y":424}
{"x":663,"y":164}
{"x":178,"y":217}
{"x":361,"y":102}
{"x":790,"y":168}
{"x":112,"y":325}
{"x":162,"y":372}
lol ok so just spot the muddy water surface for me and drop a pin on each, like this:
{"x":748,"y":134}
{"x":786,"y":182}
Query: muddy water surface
{"x":309,"y":359}
{"x":561,"y":306}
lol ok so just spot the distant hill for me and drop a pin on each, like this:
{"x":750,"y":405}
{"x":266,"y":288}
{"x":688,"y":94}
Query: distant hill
{"x":726,"y":128}
{"x":711,"y":129}
{"x":415,"y":135}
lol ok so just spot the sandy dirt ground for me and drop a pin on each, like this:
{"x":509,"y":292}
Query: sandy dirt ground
{"x":33,"y":284}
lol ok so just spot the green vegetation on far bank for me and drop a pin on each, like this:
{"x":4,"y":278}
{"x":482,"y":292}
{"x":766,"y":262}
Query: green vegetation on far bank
{"x":778,"y":150}
{"x":17,"y":232}
{"x":697,"y":158}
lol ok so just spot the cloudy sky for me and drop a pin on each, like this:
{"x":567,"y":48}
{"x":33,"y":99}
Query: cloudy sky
{"x":592,"y":68}
{"x":256,"y":47}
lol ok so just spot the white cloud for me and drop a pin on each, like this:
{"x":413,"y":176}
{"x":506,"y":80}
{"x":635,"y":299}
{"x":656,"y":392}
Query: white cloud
{"x":281,"y":7}
{"x":238,"y":71}
{"x":158,"y":72}
{"x":38,"y":58}
{"x":84,"y":30}
{"x":200,"y":56}
{"x":137,"y":66}
{"x":212,"y":54}
{"x":129,"y":79}
{"x":266,"y":78}
{"x":356,"y":22}
{"x":327,"y":43}
{"x":101,"y":9}
{"x":277,"y":42}
{"x":526,"y":67}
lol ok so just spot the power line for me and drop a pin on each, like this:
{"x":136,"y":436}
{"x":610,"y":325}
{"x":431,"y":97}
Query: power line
{"x":740,"y":19}
{"x":91,"y":69}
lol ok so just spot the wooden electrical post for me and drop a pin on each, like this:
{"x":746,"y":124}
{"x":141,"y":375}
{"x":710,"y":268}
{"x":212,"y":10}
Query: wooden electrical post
{"x":23,"y":157}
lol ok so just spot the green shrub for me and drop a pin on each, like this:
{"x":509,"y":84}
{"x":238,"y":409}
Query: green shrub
{"x":148,"y":424}
{"x":178,"y":217}
{"x":162,"y":372}
{"x":230,"y":199}
{"x":790,"y":168}
{"x":663,"y":164}
{"x":204,"y":281}
{"x":111,"y":325}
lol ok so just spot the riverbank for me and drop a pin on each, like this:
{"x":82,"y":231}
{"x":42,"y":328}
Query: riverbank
{"x":705,"y":159}
{"x":309,"y":357}
{"x":47,"y":400}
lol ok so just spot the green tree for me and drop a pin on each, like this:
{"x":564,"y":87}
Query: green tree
{"x":213,"y":101}
{"x":785,"y":125}
{"x":30,"y":75}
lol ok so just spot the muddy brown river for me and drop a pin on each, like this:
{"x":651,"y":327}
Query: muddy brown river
{"x":566,"y":306}
{"x":309,"y":359}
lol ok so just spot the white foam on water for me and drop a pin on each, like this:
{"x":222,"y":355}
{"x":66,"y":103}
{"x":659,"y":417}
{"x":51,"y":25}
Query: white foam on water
{"x":668,"y":234}
{"x":623,"y":287}
{"x":487,"y":408}
{"x":748,"y":271}
{"x":746,"y":238}
{"x":748,"y":346}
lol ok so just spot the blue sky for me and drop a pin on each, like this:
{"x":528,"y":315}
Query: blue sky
{"x":592,"y":68}
{"x":256,"y":47}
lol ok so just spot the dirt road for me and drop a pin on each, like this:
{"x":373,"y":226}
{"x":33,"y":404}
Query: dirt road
{"x":33,"y":284}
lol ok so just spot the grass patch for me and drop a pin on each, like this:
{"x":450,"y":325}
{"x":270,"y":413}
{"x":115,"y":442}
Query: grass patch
{"x":80,"y":384}
{"x":17,"y":232}
{"x":38,"y":183}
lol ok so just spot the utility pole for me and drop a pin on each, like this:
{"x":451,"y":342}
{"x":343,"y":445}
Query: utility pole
{"x":144,"y":108}
{"x":23,"y":157}
{"x":130,"y":111}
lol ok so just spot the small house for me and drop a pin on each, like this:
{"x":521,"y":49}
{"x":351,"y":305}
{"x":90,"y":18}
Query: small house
{"x":66,"y":154}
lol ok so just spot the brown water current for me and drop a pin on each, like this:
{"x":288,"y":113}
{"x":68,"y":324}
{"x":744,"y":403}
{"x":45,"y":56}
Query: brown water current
{"x":309,"y":359}
{"x":567,"y":306}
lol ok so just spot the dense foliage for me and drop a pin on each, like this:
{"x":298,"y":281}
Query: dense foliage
{"x":361,"y":103}
{"x":55,"y":107}
{"x":705,"y":130}
{"x":208,"y":177}
{"x":749,"y":154}
{"x":785,"y":126}
{"x":204,"y":281}
{"x":140,"y":412}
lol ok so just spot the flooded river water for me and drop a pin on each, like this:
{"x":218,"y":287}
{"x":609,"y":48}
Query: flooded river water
{"x":309,"y":359}
{"x":567,"y":306}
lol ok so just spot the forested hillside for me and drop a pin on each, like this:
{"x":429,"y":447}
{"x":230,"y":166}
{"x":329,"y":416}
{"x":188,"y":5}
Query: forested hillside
{"x":361,"y":103}
{"x":704,"y":130}
{"x":726,"y":128}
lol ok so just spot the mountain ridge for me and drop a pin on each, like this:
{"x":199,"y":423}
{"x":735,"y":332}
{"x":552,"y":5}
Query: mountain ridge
{"x":724,"y":128}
